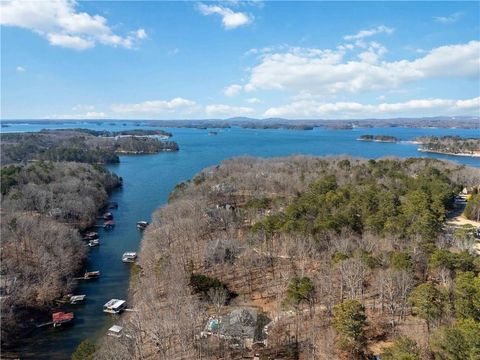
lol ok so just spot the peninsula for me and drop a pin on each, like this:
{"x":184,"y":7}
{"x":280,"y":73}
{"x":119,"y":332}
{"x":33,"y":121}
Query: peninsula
{"x":82,"y":145}
{"x":449,"y":145}
{"x":253,"y":249}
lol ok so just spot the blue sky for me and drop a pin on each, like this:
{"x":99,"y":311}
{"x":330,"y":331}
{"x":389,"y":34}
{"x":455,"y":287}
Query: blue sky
{"x":182,"y":60}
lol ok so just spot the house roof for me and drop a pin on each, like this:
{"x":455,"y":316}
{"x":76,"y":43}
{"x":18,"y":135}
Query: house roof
{"x":114,"y":303}
{"x":116,"y":328}
{"x":62,"y":316}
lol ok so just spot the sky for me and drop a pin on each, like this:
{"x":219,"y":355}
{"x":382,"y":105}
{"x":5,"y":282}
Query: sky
{"x":213,"y":60}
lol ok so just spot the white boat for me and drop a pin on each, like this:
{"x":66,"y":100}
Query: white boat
{"x":129,"y":257}
{"x":94,"y":242}
{"x":77,"y":299}
{"x":115,"y":306}
{"x":142,"y":225}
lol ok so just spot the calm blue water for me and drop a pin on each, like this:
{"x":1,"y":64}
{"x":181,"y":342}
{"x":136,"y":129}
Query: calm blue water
{"x":148,"y":180}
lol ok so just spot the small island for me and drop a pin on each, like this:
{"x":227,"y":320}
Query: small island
{"x":449,"y":145}
{"x":378,"y":138}
{"x":82,"y":145}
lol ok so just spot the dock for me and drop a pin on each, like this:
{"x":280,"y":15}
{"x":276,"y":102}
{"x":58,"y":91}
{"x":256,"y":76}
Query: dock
{"x":45,"y":324}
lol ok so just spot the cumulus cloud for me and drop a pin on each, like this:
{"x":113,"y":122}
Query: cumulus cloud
{"x":370,"y":32}
{"x":318,"y":71}
{"x":450,"y":18}
{"x":420,"y":107}
{"x":155,"y":106}
{"x":63,"y":25}
{"x":230,"y":18}
{"x":21,"y":69}
{"x":232,"y":90}
{"x":227,"y":110}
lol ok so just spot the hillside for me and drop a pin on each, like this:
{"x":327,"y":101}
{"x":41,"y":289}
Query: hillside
{"x":44,"y":205}
{"x":305,"y":258}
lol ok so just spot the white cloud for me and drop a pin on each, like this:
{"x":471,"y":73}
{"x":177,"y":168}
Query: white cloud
{"x":230,"y":18}
{"x":369,"y":32}
{"x":232,"y":90}
{"x":421,"y":107}
{"x":21,"y":69}
{"x":62,"y":25}
{"x":141,"y":34}
{"x":319,"y":71}
{"x":69,"y":41}
{"x":173,"y":51}
{"x":450,"y":18}
{"x":227,"y":110}
{"x":87,"y":116}
{"x":254,"y":101}
{"x":155,"y":106}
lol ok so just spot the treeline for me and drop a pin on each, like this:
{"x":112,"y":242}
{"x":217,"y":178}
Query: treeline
{"x":143,"y":145}
{"x":379,"y":138}
{"x":81,"y":145}
{"x":472,"y":209}
{"x":450,"y":145}
{"x":341,"y":258}
{"x":44,"y":205}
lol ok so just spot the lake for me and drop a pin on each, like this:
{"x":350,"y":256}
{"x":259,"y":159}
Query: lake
{"x":148,"y":180}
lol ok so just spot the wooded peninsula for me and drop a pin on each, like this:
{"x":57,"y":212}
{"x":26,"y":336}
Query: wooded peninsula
{"x":451,"y":145}
{"x":304,"y":257}
{"x":82,"y":145}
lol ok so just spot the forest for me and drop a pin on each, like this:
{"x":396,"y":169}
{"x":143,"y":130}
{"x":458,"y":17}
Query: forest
{"x":307,"y":258}
{"x":450,"y":145}
{"x":82,"y":145}
{"x":44,"y":205}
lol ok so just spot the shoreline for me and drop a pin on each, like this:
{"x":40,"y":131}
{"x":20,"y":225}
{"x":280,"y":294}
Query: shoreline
{"x":379,"y":141}
{"x":475,"y":155}
{"x":31,"y":316}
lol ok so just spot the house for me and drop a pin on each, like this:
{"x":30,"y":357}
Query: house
{"x":226,"y":206}
{"x":242,"y":326}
